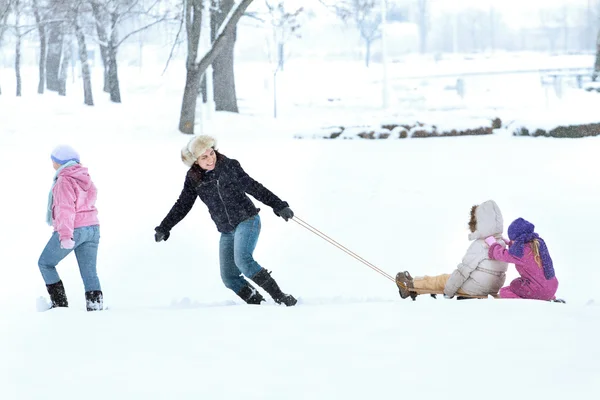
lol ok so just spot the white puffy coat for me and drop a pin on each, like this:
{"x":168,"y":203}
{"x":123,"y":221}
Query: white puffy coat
{"x":477,"y":274}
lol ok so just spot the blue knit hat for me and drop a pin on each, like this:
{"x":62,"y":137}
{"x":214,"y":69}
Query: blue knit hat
{"x":520,"y":232}
{"x":63,"y":154}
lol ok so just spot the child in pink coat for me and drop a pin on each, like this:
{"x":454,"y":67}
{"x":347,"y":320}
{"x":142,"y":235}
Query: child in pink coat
{"x":73,"y":215}
{"x":528,"y":251}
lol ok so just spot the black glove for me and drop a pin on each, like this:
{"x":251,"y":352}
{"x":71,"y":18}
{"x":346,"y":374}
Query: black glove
{"x":285,"y":213}
{"x":161,"y":234}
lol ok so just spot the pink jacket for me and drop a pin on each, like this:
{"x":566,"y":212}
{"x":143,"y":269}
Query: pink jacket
{"x":532,"y":284}
{"x":74,"y":199}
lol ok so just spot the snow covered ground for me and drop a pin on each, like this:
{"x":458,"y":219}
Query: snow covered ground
{"x":173,"y":331}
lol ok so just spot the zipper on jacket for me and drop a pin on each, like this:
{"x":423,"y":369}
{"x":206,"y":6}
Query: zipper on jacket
{"x":224,"y":205}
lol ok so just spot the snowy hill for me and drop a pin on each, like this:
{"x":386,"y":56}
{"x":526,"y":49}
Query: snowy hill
{"x":172,"y":331}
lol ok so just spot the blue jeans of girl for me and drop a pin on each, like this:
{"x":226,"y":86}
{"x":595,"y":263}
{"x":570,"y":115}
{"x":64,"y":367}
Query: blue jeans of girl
{"x":235,"y":254}
{"x":86,"y":241}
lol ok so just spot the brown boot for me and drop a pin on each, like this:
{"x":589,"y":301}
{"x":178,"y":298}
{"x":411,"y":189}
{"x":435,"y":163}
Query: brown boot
{"x":405,"y":282}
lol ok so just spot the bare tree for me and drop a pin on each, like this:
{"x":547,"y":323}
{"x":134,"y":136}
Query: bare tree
{"x":101,"y":18}
{"x":223,"y":74}
{"x":597,"y":63}
{"x":67,"y":54}
{"x":552,"y":24}
{"x":492,"y":28}
{"x":5,"y":6}
{"x":366,"y":17}
{"x":54,"y":30}
{"x":285,"y":25}
{"x":423,"y":23}
{"x":20,"y":31}
{"x":86,"y":77}
{"x":197,"y":63}
{"x":40,"y":13}
{"x":110,"y":16}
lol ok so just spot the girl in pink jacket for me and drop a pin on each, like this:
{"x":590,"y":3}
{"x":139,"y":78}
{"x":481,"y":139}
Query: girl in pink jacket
{"x":73,"y":215}
{"x":528,"y":251}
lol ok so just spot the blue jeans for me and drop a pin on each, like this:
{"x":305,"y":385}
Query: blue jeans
{"x":86,"y":250}
{"x":235,"y":254}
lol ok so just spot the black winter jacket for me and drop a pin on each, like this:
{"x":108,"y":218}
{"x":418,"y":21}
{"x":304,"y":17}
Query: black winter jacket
{"x":223,"y":190}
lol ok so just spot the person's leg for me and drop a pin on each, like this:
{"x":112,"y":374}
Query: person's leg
{"x":230,"y":274}
{"x":245,"y":239}
{"x":86,"y":250}
{"x":506,"y":293}
{"x":432,"y":283}
{"x":49,"y":259}
{"x":244,"y":242}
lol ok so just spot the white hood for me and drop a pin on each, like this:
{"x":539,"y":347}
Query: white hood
{"x":489,"y":221}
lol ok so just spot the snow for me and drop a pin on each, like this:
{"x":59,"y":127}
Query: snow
{"x":173,"y":331}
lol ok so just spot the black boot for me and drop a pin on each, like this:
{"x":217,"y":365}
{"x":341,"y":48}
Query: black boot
{"x":58,"y":297}
{"x":94,"y":301}
{"x":266,"y":281}
{"x":250,"y":295}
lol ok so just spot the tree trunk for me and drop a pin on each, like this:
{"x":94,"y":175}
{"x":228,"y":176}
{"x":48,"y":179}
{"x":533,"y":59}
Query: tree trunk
{"x":43,"y":42}
{"x":64,"y":68}
{"x":187,"y":117}
{"x":597,"y":63}
{"x":203,"y":89}
{"x":53,"y":56}
{"x":18,"y":61}
{"x":423,"y":42}
{"x":224,"y":78}
{"x":423,"y":26}
{"x":111,"y":52}
{"x":223,"y":71}
{"x":113,"y":74}
{"x":367,"y":52}
{"x":3,"y":19}
{"x":492,"y":29}
{"x":190,"y":96}
{"x":196,"y":68}
{"x":88,"y":98}
{"x":280,"y":55}
{"x":103,"y":38}
{"x":17,"y":7}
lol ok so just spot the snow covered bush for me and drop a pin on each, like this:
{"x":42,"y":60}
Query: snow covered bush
{"x":438,"y":127}
{"x":567,"y":131}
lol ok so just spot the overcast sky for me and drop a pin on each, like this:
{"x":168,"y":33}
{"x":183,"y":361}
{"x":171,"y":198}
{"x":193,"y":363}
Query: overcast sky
{"x":515,"y":12}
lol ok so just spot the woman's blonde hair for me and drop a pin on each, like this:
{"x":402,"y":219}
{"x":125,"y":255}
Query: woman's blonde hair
{"x":535,"y":248}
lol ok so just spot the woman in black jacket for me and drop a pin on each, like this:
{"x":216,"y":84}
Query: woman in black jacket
{"x":223,"y":186}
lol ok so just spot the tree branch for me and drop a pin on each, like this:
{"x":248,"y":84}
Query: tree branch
{"x":124,"y":38}
{"x":175,"y":43}
{"x":254,"y":15}
{"x":226,"y":29}
{"x":125,"y":13}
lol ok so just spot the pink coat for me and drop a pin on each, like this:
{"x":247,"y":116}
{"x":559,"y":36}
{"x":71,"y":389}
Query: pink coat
{"x":74,"y":201}
{"x":532,"y":284}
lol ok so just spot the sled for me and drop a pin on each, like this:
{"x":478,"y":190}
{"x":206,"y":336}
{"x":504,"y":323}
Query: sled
{"x":462,"y":296}
{"x":414,"y":292}
{"x":459,"y":296}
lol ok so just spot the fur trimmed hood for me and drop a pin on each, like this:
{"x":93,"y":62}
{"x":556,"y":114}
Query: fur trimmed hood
{"x":195,"y":147}
{"x":489,"y":221}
